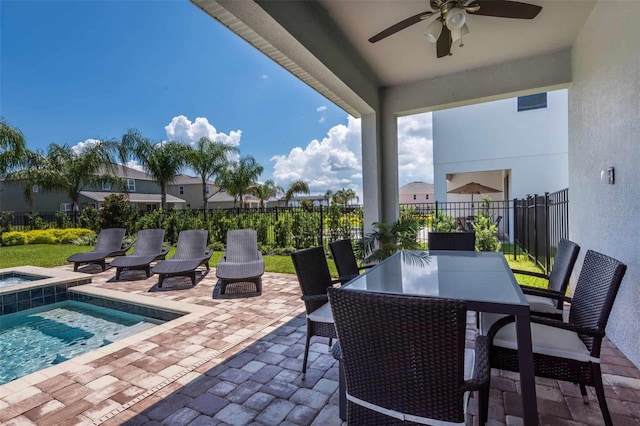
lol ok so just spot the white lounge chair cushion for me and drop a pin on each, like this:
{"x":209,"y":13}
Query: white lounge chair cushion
{"x":546,"y":340}
{"x":542,"y":304}
{"x":469,"y":364}
{"x":322,"y":314}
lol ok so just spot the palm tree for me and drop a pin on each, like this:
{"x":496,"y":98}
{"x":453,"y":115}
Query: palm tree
{"x":265,"y":191}
{"x":296,"y":187}
{"x":208,"y":158}
{"x":344,"y":196}
{"x":239,"y":177}
{"x":327,"y":196}
{"x":163,"y":161}
{"x":12,"y":147}
{"x":69,"y":171}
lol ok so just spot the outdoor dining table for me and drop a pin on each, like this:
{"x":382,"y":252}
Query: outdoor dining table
{"x":482,"y":279}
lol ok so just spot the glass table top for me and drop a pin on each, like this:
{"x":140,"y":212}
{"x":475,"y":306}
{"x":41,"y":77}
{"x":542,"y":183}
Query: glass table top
{"x":472,"y":276}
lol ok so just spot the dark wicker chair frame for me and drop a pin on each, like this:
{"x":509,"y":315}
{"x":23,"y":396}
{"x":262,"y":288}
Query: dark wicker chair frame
{"x":558,"y":279}
{"x":148,"y":248}
{"x":242,"y":261}
{"x":314,"y":278}
{"x":191,"y":252}
{"x":109,"y":244}
{"x":405,"y":354}
{"x":591,"y":305}
{"x":452,"y":241}
{"x":345,"y":259}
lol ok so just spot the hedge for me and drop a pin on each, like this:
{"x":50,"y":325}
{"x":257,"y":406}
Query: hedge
{"x":44,"y":236}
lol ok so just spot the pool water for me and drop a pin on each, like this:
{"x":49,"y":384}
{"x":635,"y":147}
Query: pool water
{"x":13,"y":278}
{"x":37,"y":338}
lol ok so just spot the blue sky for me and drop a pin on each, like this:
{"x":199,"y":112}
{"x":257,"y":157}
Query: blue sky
{"x":77,"y":70}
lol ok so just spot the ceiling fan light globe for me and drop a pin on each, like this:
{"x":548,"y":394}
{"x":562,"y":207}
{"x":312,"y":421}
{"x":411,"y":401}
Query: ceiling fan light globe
{"x":455,"y":19}
{"x":433,"y":32}
{"x":458,"y":34}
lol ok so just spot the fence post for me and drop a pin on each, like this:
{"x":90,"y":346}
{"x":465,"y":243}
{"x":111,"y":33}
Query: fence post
{"x":436,"y":209}
{"x":321,"y":225}
{"x":276,"y":210}
{"x":546,"y":233}
{"x":515,"y":229}
{"x":535,"y":227}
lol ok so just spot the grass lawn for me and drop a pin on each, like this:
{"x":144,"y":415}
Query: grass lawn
{"x":46,"y":255}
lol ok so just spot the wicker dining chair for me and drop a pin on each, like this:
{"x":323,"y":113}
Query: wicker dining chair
{"x":452,"y":240}
{"x":345,"y":259}
{"x":314,"y":278}
{"x":568,"y":351}
{"x":548,"y":302}
{"x":404,"y":358}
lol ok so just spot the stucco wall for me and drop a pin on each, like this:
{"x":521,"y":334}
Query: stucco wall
{"x":604,"y":111}
{"x":495,"y":136}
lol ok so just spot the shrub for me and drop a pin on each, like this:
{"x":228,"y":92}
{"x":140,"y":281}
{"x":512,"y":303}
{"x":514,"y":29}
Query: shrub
{"x":36,"y":222}
{"x":486,"y":234}
{"x":90,"y":218}
{"x":443,"y":222}
{"x":5,"y":221}
{"x":62,"y":220}
{"x":40,"y":237}
{"x":115,"y":212}
{"x":14,"y":238}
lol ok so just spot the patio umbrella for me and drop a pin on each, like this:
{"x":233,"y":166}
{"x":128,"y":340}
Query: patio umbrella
{"x":473,"y":188}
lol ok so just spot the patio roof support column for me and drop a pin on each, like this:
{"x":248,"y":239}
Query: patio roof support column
{"x":390,"y":198}
{"x":371,"y":181}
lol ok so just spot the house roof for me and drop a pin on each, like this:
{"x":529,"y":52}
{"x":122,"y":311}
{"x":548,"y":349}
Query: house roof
{"x":125,"y":172}
{"x":183,"y":179}
{"x":134,"y":197}
{"x":417,"y":188}
{"x":224,"y":197}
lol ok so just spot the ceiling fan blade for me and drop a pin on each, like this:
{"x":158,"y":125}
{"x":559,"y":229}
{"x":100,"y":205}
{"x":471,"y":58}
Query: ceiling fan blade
{"x":443,"y":47}
{"x":401,"y":26}
{"x":506,"y":9}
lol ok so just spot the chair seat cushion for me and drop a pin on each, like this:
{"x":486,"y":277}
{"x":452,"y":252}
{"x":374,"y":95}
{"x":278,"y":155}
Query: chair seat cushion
{"x":322,"y":314}
{"x":546,"y":340}
{"x":542,"y":304}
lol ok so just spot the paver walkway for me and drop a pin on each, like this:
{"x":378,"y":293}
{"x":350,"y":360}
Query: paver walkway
{"x":237,"y":360}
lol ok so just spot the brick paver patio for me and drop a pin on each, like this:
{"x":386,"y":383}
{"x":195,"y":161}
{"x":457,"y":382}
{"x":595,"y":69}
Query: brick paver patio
{"x":237,"y":360}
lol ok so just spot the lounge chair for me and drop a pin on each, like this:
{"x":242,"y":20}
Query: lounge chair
{"x":109,"y":244}
{"x":148,"y":249}
{"x":242,"y":261}
{"x":191,"y":252}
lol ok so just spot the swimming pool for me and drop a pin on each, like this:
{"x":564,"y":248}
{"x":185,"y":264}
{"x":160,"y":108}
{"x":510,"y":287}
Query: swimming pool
{"x":14,"y":278}
{"x":34,"y":339}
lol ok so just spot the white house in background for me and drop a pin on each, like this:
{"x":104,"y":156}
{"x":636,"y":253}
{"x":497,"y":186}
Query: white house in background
{"x":416,"y":193}
{"x":518,"y":146}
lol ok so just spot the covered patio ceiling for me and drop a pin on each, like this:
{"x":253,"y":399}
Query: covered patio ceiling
{"x":325,"y":43}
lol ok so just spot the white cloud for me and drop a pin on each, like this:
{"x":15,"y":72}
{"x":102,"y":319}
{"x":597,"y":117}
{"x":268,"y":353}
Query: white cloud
{"x":330,"y":163}
{"x":133,"y":164}
{"x":182,"y":129}
{"x":336,"y":161}
{"x":264,"y":76}
{"x":415,"y":148}
{"x":323,"y":113}
{"x":81,"y":146}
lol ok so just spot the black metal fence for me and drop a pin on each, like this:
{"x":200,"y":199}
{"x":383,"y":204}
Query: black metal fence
{"x":540,"y":222}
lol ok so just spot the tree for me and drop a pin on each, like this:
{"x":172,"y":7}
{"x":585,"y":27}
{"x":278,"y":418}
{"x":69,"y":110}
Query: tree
{"x":12,"y":147}
{"x":344,"y":196}
{"x":163,"y":161}
{"x":265,"y":191}
{"x":327,"y":196}
{"x":68,"y":170}
{"x":296,"y":187}
{"x":208,"y":159}
{"x":239,"y":177}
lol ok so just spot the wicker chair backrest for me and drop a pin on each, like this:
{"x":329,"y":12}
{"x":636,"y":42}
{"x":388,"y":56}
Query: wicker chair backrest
{"x":313,"y":274}
{"x":110,"y":239}
{"x":452,"y":240}
{"x":594,"y":295}
{"x":242,"y":245}
{"x":403,"y":353}
{"x":563,"y":264}
{"x":149,"y":242}
{"x":343,"y":256}
{"x":192,"y":244}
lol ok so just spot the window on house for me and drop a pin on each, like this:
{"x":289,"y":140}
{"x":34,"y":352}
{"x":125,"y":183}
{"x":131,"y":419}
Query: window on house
{"x":131,"y":185}
{"x":426,"y":197}
{"x":207,"y":188}
{"x":35,"y":188}
{"x":106,"y":186}
{"x":181,"y":190}
{"x":415,"y":197}
{"x":537,"y":101}
{"x":65,"y":207}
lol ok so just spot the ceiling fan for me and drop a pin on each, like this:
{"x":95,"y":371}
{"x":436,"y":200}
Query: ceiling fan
{"x":452,"y":19}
